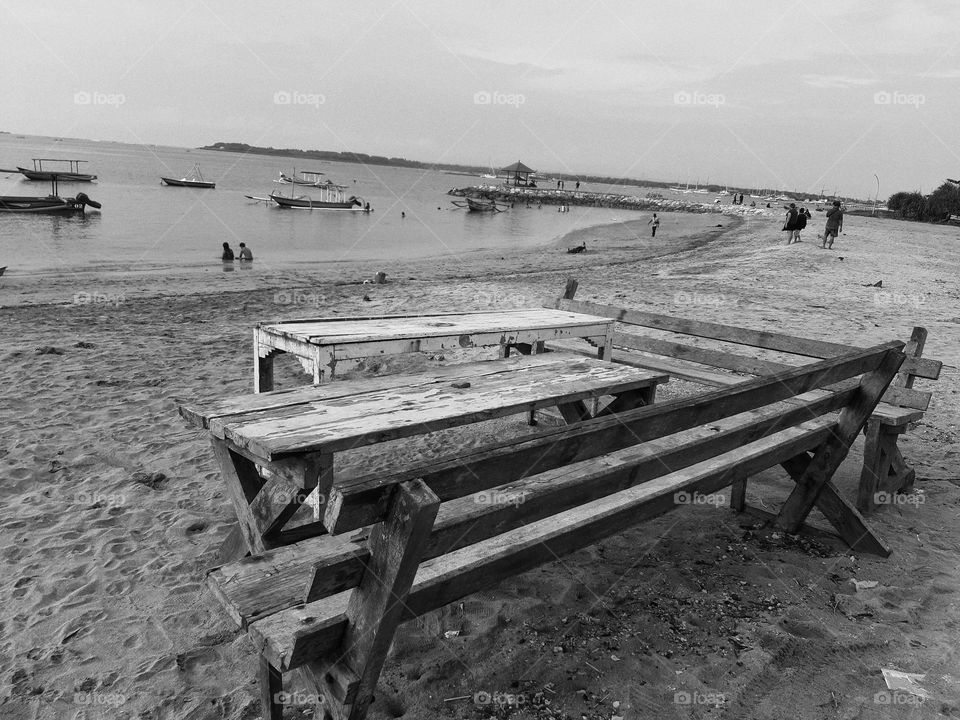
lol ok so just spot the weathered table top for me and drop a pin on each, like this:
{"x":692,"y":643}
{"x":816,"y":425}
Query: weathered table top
{"x":349,"y":414}
{"x":333,"y":331}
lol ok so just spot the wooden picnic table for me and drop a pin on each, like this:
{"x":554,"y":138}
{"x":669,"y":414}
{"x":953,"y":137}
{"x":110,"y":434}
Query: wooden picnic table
{"x":321,"y":344}
{"x":296,"y":434}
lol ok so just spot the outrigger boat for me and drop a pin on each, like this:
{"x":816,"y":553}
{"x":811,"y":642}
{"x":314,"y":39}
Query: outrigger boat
{"x":332,"y":198}
{"x":478,"y":205}
{"x":307,"y":177}
{"x":71,"y":175}
{"x":194,"y":180}
{"x":50,"y":205}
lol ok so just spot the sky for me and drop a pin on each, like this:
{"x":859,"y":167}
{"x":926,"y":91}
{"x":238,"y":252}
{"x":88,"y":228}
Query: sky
{"x":798,"y":96}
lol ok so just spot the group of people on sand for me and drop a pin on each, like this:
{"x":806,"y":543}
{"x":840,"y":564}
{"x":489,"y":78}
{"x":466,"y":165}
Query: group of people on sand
{"x":245,"y":254}
{"x":796,"y":220}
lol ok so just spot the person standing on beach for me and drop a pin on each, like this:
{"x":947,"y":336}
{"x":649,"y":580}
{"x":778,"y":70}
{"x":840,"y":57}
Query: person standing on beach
{"x":654,"y":223}
{"x":802,"y":218}
{"x":245,"y":254}
{"x":227,"y":253}
{"x":790,"y":221}
{"x":578,"y":185}
{"x":834,"y":225}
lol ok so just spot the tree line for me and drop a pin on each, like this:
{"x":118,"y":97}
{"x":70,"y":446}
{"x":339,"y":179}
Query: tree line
{"x":938,"y":206}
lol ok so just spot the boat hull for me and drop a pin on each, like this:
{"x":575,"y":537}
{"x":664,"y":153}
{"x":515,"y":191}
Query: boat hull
{"x":49,"y":175}
{"x":310,"y":204}
{"x":480,"y":205}
{"x":173,"y":182}
{"x":47,"y":205}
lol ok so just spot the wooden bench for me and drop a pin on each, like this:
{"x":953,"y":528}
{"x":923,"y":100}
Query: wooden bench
{"x":401,"y":545}
{"x":884,"y":470}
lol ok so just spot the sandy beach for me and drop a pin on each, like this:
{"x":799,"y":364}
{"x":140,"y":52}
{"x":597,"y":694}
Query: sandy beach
{"x":113,"y":508}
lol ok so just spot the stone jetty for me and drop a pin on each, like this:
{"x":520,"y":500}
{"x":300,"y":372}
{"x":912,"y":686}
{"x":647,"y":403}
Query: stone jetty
{"x":522,"y":196}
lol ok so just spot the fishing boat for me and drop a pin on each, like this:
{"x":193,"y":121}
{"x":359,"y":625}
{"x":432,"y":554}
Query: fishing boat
{"x":193,"y":180}
{"x":71,"y":175}
{"x":52,"y":204}
{"x":478,"y":205}
{"x":307,"y":177}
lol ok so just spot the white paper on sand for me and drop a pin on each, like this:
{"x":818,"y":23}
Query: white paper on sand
{"x":908,"y":682}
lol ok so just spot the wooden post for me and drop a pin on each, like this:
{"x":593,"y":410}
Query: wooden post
{"x":832,"y":451}
{"x":378,"y":603}
{"x":571,"y":289}
{"x":243,"y":483}
{"x":872,"y":467}
{"x":262,"y":366}
{"x":271,"y":685}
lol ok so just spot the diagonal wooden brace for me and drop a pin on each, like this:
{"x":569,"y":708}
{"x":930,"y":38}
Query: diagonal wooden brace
{"x":831,"y":453}
{"x":376,"y":606}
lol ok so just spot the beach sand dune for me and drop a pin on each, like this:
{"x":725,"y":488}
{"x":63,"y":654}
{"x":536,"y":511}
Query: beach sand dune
{"x":113,"y":509}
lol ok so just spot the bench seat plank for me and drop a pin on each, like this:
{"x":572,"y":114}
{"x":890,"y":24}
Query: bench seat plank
{"x":292,"y":637}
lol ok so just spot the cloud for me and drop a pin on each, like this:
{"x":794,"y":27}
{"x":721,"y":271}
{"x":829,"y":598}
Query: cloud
{"x":837,"y":81}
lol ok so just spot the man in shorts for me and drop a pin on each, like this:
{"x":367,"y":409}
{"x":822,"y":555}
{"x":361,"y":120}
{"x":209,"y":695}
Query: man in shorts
{"x":834,"y":225}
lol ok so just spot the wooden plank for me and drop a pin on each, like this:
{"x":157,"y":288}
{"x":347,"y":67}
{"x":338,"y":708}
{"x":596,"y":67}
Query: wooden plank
{"x":922,"y":367}
{"x":828,"y":456}
{"x":913,"y":349}
{"x":563,"y":445}
{"x":907,"y":397}
{"x":377,"y":606}
{"x":412,"y":408}
{"x":260,"y":586}
{"x":290,"y":637}
{"x":872,"y":467}
{"x":698,"y":328}
{"x":703,"y":356}
{"x":349,"y":331}
{"x":202,"y":415}
{"x":361,"y":502}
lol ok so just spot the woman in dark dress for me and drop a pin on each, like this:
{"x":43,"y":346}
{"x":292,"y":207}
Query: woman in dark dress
{"x":227,"y":253}
{"x":790,"y":222}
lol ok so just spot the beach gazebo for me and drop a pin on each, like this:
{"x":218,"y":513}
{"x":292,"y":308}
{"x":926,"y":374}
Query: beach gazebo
{"x":519,"y":174}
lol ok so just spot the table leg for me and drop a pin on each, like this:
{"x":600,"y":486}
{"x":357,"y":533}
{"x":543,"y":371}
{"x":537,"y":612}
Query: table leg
{"x":263,"y":370}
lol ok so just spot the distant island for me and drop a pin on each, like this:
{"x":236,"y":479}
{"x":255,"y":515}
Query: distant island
{"x":472,"y":170}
